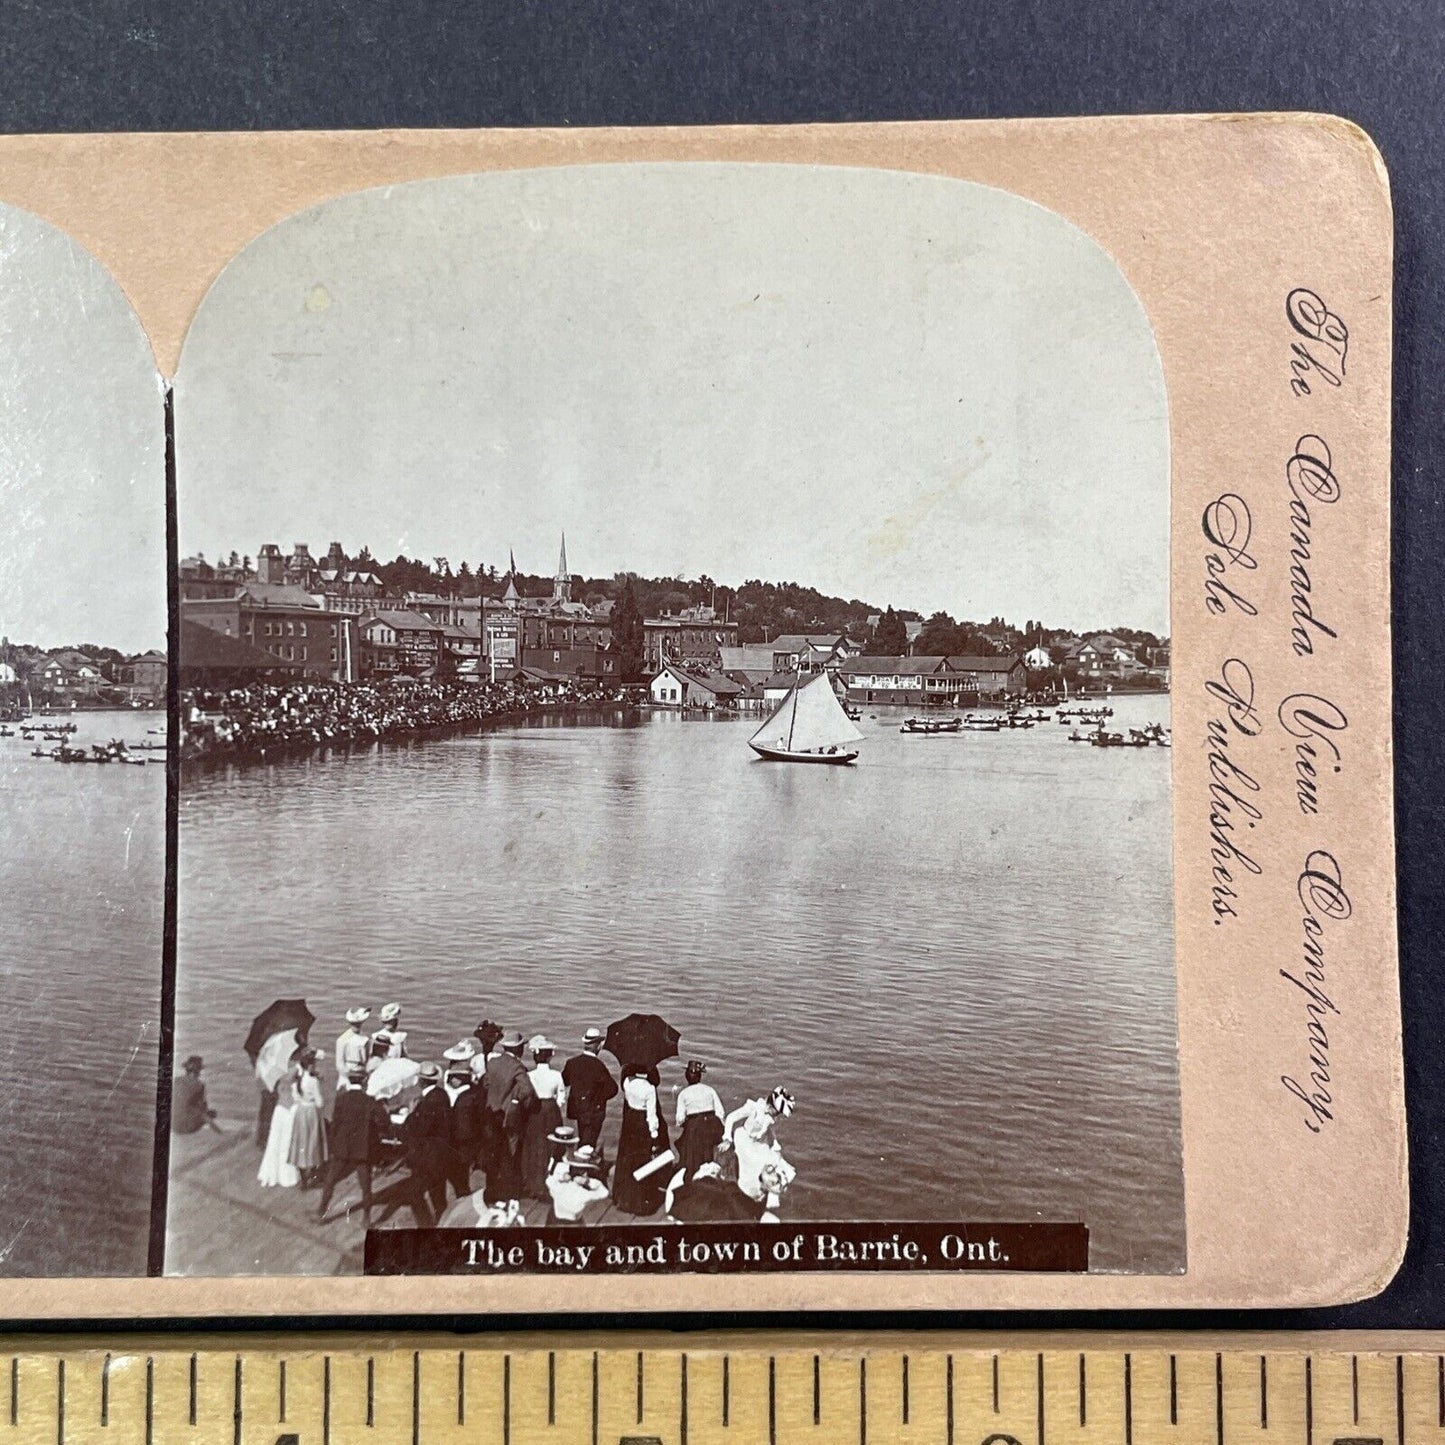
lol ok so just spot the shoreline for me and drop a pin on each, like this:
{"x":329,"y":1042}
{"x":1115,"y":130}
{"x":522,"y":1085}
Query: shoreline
{"x":211,"y":760}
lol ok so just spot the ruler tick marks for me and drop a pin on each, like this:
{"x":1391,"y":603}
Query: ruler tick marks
{"x":506,"y":1400}
{"x":726,"y":1390}
{"x":1219,"y":1399}
{"x":772,"y":1401}
{"x":1083,"y":1393}
{"x":818,"y":1392}
{"x":862,"y":1402}
{"x":462,"y":1388}
{"x":1400,"y":1399}
{"x":948,"y":1401}
{"x":594,"y":1398}
{"x":552,"y":1386}
{"x":1173,"y":1391}
{"x":236,"y":1414}
{"x":370,"y":1392}
{"x":1355,"y":1390}
{"x":639,"y":1387}
{"x":60,"y":1402}
{"x":995,"y":1384}
{"x":105,"y":1391}
{"x":1310,"y":1401}
{"x":416,"y":1397}
{"x":1128,"y":1399}
{"x":905,"y":1389}
{"x":1041,"y":1397}
{"x":1263,"y":1393}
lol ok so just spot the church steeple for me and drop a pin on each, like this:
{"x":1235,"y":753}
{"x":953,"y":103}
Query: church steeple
{"x":511,"y":596}
{"x":562,"y":583}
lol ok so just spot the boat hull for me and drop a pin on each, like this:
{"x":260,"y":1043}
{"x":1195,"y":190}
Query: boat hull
{"x":782,"y":755}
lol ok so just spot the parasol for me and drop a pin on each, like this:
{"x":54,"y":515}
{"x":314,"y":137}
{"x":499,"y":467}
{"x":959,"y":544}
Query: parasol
{"x":285,"y":1014}
{"x":644,"y":1039}
{"x":391,"y":1076}
{"x":276,"y":1033}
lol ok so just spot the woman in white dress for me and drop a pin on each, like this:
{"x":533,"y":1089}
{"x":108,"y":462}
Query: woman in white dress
{"x":277,"y":1170}
{"x":750,"y":1131}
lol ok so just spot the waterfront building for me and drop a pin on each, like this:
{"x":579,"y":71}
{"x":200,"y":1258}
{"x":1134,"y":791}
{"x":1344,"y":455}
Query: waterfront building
{"x":1037,"y":657}
{"x":919,"y":681}
{"x":400,"y":643}
{"x":285,"y":622}
{"x":694,"y":637}
{"x":145,"y":674}
{"x":211,"y":658}
{"x":676,"y":686}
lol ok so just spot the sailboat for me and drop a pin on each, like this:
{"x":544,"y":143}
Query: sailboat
{"x":809,"y":726}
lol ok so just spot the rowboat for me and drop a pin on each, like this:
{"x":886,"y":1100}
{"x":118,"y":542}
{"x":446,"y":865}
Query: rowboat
{"x":929,"y":726}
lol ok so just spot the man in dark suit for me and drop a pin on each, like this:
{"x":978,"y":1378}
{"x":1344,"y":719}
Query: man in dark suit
{"x":427,"y":1137}
{"x":510,"y":1097}
{"x":358,"y":1125}
{"x":590,"y":1086}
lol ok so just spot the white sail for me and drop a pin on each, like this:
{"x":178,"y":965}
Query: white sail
{"x":808,"y":719}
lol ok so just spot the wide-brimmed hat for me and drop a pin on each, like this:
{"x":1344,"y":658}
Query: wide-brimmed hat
{"x":563,"y":1134}
{"x":584,"y":1156}
{"x":541,"y":1044}
{"x":431,"y":1071}
{"x":357,"y":1015}
{"x":390,"y":1011}
{"x":512,"y":1039}
{"x":459,"y":1053}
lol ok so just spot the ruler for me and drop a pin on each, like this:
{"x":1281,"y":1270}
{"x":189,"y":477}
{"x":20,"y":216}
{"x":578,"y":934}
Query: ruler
{"x":741,"y":1389}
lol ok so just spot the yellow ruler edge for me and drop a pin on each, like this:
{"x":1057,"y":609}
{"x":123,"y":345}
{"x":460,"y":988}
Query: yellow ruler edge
{"x":735,"y":1388}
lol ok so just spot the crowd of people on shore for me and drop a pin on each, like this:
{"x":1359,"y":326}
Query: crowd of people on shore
{"x":416,"y":1135}
{"x":267,"y":718}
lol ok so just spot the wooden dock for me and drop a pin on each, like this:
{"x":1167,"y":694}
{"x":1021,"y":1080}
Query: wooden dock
{"x":221,"y":1221}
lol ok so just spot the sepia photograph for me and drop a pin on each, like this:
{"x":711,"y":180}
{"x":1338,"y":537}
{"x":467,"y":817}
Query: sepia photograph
{"x":674,"y":720}
{"x":83,"y":676}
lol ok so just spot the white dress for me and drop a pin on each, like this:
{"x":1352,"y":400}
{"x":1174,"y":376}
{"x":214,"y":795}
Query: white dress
{"x":276,"y":1169}
{"x":756,"y":1147}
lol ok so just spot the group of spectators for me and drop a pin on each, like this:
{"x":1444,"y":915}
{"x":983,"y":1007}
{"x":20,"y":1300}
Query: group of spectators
{"x":268,"y":718}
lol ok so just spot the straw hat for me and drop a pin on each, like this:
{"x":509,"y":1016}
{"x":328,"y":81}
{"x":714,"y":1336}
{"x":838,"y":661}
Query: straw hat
{"x":461,"y":1052}
{"x":563,"y":1134}
{"x":357,"y":1015}
{"x":541,"y":1044}
{"x":390,"y":1012}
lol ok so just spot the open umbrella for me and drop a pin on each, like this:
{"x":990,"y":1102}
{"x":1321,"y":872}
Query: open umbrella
{"x":391,"y":1076}
{"x":275,"y":1035}
{"x":284,"y":1014}
{"x":644,"y":1039}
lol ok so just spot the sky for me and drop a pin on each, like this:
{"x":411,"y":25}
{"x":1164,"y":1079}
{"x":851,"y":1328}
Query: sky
{"x":82,"y":451}
{"x":917,"y":391}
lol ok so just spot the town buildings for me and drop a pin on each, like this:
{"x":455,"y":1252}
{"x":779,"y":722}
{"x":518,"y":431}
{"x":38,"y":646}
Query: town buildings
{"x":944,"y":681}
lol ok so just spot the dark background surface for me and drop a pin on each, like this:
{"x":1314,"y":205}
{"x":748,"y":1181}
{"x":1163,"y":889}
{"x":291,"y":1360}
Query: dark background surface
{"x":283,"y":64}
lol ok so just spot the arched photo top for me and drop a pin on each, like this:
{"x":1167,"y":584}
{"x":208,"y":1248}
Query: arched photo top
{"x":883,"y":383}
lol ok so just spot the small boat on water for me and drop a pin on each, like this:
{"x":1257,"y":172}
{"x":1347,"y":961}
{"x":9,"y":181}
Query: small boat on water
{"x":930,"y":726}
{"x":854,"y":713}
{"x":809,"y":726}
{"x":975,"y":724}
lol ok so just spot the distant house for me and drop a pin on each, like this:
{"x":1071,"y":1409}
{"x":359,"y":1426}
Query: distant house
{"x":1037,"y":657}
{"x":675,"y":686}
{"x":146,"y":674}
{"x":68,"y":672}
{"x":1104,"y":655}
{"x":800,"y":652}
{"x":989,"y":677}
{"x":8,"y":674}
{"x":399,"y":644}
